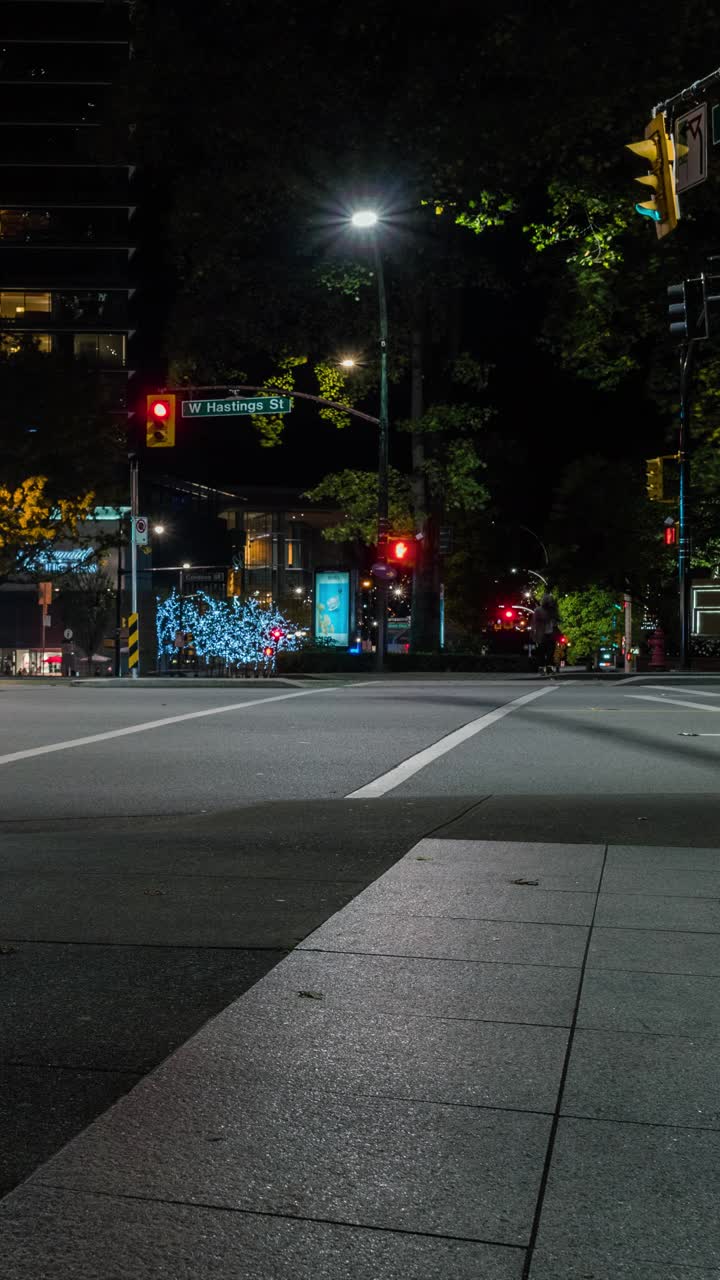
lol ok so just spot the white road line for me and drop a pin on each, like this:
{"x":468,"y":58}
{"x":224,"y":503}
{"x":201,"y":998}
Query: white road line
{"x":153,"y":724}
{"x":388,"y":781}
{"x":673,"y":702}
{"x":672,"y":688}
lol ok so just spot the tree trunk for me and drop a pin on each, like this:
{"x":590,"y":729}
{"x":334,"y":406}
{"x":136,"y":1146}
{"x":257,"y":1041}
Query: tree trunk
{"x":425,"y":623}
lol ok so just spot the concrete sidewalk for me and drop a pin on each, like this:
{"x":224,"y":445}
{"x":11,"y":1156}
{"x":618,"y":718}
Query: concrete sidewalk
{"x":497,"y":1062}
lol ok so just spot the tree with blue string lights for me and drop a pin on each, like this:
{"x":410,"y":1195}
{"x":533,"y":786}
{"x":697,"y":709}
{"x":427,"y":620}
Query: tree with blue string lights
{"x":236,"y":633}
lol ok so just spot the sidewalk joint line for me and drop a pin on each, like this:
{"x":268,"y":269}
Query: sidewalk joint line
{"x":273,"y":1213}
{"x":405,"y":955}
{"x":542,"y":1190}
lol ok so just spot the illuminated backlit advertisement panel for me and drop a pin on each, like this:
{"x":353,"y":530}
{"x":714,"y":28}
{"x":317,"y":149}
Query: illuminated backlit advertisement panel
{"x":332,"y":606}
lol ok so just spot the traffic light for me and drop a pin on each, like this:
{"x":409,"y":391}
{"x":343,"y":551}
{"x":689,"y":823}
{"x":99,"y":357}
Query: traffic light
{"x":659,"y":150}
{"x":687,"y":309}
{"x":507,"y":618}
{"x":654,"y":472}
{"x":401,"y":550}
{"x":160,"y":422}
{"x":670,"y":532}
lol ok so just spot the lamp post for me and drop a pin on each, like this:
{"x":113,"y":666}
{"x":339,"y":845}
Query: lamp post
{"x":366,"y":219}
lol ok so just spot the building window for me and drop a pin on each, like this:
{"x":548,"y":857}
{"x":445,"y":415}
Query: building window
{"x":24,"y":225}
{"x":293,"y":554}
{"x":12,"y":343}
{"x":105,"y":349}
{"x":21,"y":306}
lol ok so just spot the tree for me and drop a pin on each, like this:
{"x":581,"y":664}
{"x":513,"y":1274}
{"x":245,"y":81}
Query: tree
{"x":31,"y":521}
{"x":589,"y":619}
{"x":86,"y":602}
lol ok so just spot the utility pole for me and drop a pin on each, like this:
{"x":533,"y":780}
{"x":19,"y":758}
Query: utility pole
{"x":628,"y":632}
{"x":134,"y":512}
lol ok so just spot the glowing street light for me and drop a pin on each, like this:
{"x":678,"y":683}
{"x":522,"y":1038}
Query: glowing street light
{"x":349,"y":362}
{"x":364,"y":218}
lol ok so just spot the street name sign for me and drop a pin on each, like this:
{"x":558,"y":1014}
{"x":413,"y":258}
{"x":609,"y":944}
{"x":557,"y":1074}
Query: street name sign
{"x":236,"y":406}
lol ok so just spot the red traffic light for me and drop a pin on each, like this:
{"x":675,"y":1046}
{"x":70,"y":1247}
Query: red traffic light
{"x":160,"y":421}
{"x":670,"y":535}
{"x":509,"y":613}
{"x":401,"y":549}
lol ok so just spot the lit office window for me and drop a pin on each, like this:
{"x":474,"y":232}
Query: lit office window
{"x":18,"y":306}
{"x":12,"y":343}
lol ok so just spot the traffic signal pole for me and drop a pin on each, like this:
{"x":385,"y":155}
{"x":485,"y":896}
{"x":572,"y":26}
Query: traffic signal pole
{"x":134,"y":511}
{"x":686,"y":360}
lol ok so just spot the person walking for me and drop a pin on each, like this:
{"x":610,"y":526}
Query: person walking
{"x":545,"y":631}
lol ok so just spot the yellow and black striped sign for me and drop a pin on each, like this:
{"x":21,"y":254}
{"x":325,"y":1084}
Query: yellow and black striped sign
{"x":133,"y":647}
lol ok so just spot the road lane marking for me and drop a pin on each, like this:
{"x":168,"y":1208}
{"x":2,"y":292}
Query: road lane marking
{"x":144,"y":726}
{"x":388,"y":781}
{"x":672,"y":688}
{"x":673,"y":702}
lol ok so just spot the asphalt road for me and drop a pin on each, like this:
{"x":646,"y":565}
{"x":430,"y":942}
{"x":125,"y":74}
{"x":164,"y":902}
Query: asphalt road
{"x":222,"y":749}
{"x":162,"y":847}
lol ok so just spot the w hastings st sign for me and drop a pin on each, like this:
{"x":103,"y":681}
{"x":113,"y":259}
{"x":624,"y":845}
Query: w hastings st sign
{"x":236,"y":406}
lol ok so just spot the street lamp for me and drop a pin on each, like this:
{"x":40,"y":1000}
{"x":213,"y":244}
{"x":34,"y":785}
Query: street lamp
{"x":367,"y":219}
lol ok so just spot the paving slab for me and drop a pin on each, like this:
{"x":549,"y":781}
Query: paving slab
{"x":423,"y":988}
{"x":663,"y":1003}
{"x":56,"y":1235}
{"x":495,"y":940}
{"x":41,"y":1108}
{"x":318,"y":1050}
{"x":669,"y":1080}
{"x":655,"y":911}
{"x":475,"y":862}
{"x":583,"y":1266}
{"x":631,"y":857}
{"x":675,"y":882}
{"x":197,"y":1131}
{"x":619,"y":1192}
{"x":488,"y":902}
{"x":655,"y":951}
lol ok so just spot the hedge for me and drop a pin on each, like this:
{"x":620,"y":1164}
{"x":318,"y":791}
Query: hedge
{"x":319,"y":661}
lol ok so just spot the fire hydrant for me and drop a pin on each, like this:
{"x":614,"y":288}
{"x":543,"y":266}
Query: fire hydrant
{"x":657,"y":648}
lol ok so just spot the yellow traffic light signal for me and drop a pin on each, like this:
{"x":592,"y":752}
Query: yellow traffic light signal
{"x":659,"y":150}
{"x":662,"y":478}
{"x":654,"y":472}
{"x":160,"y":422}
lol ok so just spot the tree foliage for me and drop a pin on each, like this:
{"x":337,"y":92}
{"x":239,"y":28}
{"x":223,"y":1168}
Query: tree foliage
{"x":589,"y":619}
{"x":31,"y":521}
